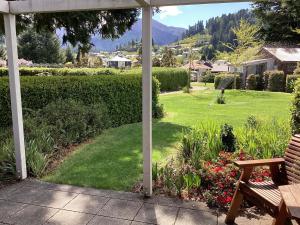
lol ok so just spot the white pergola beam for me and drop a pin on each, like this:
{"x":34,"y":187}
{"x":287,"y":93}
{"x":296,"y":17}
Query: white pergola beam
{"x":144,"y":3}
{"x":47,"y":6}
{"x":147,"y":98}
{"x":4,"y":6}
{"x":191,"y":2}
{"x":15,"y":94}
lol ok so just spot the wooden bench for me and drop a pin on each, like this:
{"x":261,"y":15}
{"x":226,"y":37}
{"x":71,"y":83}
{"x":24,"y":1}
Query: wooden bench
{"x":266,"y":195}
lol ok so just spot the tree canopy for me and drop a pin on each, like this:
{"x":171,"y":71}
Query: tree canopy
{"x":279,"y":20}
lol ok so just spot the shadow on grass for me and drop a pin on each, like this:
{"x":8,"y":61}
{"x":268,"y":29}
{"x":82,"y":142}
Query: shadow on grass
{"x":114,"y":159}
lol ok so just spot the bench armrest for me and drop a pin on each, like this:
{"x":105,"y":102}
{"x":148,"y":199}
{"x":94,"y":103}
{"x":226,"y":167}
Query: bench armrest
{"x":261,"y":162}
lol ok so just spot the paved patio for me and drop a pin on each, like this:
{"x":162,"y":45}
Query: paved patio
{"x":34,"y":202}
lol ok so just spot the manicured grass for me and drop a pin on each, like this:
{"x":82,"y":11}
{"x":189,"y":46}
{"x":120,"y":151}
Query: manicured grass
{"x":114,"y":159}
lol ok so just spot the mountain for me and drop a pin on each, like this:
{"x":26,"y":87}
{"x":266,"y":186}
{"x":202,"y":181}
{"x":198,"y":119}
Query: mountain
{"x":162,"y":35}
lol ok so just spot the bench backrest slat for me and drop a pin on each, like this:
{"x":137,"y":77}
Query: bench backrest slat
{"x":292,"y":158}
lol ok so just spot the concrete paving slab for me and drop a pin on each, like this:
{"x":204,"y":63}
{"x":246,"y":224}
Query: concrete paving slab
{"x":54,"y":199}
{"x":126,"y":196}
{"x":8,"y":209}
{"x":96,"y":192}
{"x":122,"y":209}
{"x":153,"y":213}
{"x":25,"y":194}
{"x":32,"y":215}
{"x":140,"y":223}
{"x":242,"y":220}
{"x":196,"y":217}
{"x":100,"y":220}
{"x":86,"y":203}
{"x":64,"y":217}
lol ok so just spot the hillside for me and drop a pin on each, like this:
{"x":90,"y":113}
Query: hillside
{"x":162,"y":35}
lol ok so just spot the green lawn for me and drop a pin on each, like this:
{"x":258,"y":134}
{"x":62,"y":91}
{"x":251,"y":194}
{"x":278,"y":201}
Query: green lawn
{"x":114,"y":159}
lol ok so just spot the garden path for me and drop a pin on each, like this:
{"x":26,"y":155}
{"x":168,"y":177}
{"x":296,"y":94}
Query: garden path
{"x":33,"y":202}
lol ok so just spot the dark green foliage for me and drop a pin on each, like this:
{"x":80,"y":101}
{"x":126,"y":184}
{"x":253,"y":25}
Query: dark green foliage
{"x":221,"y":98}
{"x":198,"y":28}
{"x":228,"y":81}
{"x":228,"y":138}
{"x":121,"y":94}
{"x":208,"y":77}
{"x":290,"y":82}
{"x":41,"y":47}
{"x":221,"y":28}
{"x":278,"y":20}
{"x":168,"y":58}
{"x":69,"y":55}
{"x":276,"y":80}
{"x":73,"y":122}
{"x":295,"y":119}
{"x":251,"y":82}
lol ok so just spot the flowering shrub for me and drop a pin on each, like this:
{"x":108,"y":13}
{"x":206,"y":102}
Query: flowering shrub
{"x":219,"y":178}
{"x":215,"y":182}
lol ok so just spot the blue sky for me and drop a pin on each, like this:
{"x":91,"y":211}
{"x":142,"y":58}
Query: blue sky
{"x":183,"y":16}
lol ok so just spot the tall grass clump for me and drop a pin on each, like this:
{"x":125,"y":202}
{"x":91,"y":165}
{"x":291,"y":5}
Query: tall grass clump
{"x":263,"y":139}
{"x":200,"y":143}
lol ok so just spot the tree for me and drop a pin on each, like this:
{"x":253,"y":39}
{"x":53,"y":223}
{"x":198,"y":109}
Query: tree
{"x":246,"y":46}
{"x":69,"y":55}
{"x":40,"y":47}
{"x":79,"y":26}
{"x":279,"y":20}
{"x":168,"y":59}
{"x":156,"y":62}
{"x":207,"y":52}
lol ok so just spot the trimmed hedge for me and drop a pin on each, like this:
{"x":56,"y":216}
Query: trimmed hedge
{"x":121,"y":94}
{"x":44,"y":71}
{"x":227,"y":81}
{"x":275,"y":81}
{"x":290,"y":82}
{"x":171,"y":79}
{"x":251,"y":82}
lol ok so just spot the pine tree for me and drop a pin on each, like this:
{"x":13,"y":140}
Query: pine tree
{"x":69,"y":55}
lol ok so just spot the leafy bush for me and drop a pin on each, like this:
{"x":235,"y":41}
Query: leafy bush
{"x":228,"y":81}
{"x":208,"y":77}
{"x":73,"y":122}
{"x":228,"y":138}
{"x":121,"y":94}
{"x":290,"y":82}
{"x":275,"y":81}
{"x":200,"y":143}
{"x":263,"y":139}
{"x":251,"y":82}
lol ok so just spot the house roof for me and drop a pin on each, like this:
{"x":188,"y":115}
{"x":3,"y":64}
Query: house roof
{"x":257,"y":61}
{"x":285,"y":54}
{"x":195,"y":65}
{"x":220,"y":68}
{"x":119,"y":59}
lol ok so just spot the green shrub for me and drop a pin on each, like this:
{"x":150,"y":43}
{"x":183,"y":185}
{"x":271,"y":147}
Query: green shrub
{"x":73,"y":122}
{"x":251,"y":82}
{"x":121,"y":94}
{"x":208,"y":77}
{"x":228,"y":138}
{"x":290,"y":82}
{"x":276,"y":81}
{"x":295,"y":111}
{"x":263,"y":139}
{"x":200,"y":143}
{"x":228,"y":81}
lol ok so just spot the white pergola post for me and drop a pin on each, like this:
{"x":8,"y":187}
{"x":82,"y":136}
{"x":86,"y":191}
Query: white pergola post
{"x":15,"y":94}
{"x":147,"y":99}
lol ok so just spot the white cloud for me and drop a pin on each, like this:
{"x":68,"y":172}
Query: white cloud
{"x":169,"y":11}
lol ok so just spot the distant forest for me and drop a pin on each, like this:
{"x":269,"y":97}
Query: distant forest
{"x":220,"y":28}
